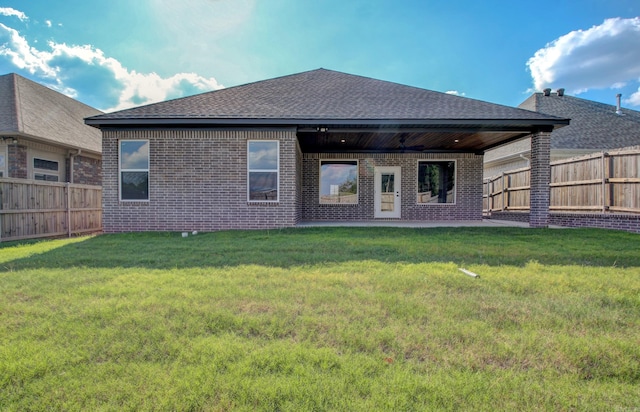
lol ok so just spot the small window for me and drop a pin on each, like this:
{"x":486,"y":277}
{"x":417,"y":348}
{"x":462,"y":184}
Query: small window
{"x":263,"y":170}
{"x":45,"y":164}
{"x":134,"y":170}
{"x":3,"y":164}
{"x":338,"y":181}
{"x":436,"y":182}
{"x":45,"y":177}
{"x":45,"y":170}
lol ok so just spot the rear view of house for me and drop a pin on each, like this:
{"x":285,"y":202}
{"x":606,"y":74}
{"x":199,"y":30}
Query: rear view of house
{"x":314,"y":146}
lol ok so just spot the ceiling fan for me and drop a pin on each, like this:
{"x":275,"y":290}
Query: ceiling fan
{"x":415,"y":148}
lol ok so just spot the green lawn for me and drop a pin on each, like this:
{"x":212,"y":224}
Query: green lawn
{"x":353,"y":319}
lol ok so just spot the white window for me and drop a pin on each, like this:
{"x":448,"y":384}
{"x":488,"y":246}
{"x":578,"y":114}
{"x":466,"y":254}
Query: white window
{"x":46,"y":170}
{"x":134,"y":170}
{"x":263,"y":170}
{"x":338,"y":181}
{"x":436,"y":181}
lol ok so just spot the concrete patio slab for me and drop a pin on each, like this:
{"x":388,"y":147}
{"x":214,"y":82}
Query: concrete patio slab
{"x":414,"y":224}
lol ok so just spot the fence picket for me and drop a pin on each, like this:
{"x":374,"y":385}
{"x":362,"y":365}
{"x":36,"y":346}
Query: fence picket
{"x":601,"y":182}
{"x":34,"y":209}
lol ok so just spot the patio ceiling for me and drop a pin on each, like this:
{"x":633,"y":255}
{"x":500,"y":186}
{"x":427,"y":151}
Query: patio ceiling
{"x":450,"y":138}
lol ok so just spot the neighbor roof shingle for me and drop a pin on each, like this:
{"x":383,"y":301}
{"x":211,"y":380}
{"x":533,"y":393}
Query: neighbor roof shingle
{"x":32,"y":110}
{"x":593,"y":125}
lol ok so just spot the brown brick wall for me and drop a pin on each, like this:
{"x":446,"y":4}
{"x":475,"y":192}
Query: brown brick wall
{"x":86,"y":171}
{"x":468,"y":204}
{"x":629,"y":223}
{"x":510,"y":216}
{"x":540,"y":178}
{"x":17,"y":161}
{"x":198,"y":181}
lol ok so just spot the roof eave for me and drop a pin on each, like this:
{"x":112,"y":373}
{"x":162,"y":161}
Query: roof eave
{"x":371,"y":123}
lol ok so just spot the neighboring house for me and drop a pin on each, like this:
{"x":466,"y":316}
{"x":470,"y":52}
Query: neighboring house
{"x":595,"y":127}
{"x":318,"y":145}
{"x":43,"y":135}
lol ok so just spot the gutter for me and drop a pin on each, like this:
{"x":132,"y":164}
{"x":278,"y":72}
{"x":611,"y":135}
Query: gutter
{"x":50,"y":142}
{"x":376,"y":124}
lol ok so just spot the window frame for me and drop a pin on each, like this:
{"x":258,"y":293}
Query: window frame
{"x":357,"y":165}
{"x":250,"y":170}
{"x":35,"y":171}
{"x":455,"y":181}
{"x":4,"y":166}
{"x":147,"y":170}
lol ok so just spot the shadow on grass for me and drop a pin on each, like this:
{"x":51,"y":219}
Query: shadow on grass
{"x":316,"y":246}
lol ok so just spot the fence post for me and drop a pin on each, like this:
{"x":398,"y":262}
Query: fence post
{"x":604,"y":182}
{"x":490,"y":193}
{"x":504,"y":191}
{"x":68,"y":190}
{"x":1,"y":214}
{"x":611,"y":174}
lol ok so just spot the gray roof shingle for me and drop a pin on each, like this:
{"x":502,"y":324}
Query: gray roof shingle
{"x":35,"y":111}
{"x":321,"y":95}
{"x":593,"y":125}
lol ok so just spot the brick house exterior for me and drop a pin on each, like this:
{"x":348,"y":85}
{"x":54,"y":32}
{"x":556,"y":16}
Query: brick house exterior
{"x":314,"y":146}
{"x":468,"y":190}
{"x":208,"y":199}
{"x":43,"y":135}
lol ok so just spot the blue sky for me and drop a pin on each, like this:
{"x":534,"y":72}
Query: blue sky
{"x":122,"y":53}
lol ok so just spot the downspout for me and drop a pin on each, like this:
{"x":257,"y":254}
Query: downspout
{"x":68,"y":188}
{"x":71,"y":158}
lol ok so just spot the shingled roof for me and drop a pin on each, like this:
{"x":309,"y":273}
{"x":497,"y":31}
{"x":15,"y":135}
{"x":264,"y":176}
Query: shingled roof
{"x":593,"y":125}
{"x":36,"y":112}
{"x":321,"y":95}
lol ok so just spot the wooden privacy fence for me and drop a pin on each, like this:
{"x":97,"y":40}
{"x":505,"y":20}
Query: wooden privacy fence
{"x":32,"y":209}
{"x":600,"y":182}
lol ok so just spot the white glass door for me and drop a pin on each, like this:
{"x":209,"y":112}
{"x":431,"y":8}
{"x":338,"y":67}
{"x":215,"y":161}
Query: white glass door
{"x":387,"y":192}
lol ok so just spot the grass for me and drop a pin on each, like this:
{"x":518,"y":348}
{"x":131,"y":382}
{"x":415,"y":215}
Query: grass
{"x":323,"y":319}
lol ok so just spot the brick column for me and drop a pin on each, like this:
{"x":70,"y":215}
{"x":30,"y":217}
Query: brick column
{"x":540,"y":178}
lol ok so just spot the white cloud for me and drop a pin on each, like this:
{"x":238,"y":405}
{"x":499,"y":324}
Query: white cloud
{"x":604,"y":56}
{"x":48,"y":23}
{"x":455,"y":93}
{"x":17,"y":50}
{"x":146,"y":88}
{"x":85,"y":73}
{"x":8,"y":11}
{"x":634,"y":99}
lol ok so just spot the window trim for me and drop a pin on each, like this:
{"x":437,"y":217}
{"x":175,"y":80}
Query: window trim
{"x":45,"y":172}
{"x":455,"y":184}
{"x":320,"y":181}
{"x":276,"y":170}
{"x":4,"y":168}
{"x":120,"y":170}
